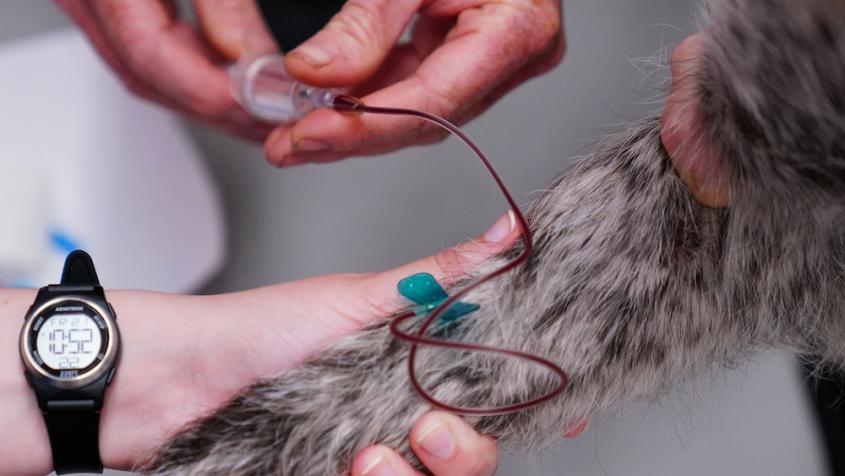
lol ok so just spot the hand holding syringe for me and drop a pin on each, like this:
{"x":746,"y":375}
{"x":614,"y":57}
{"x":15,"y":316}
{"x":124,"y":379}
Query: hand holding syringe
{"x":267,"y":92}
{"x":452,"y":58}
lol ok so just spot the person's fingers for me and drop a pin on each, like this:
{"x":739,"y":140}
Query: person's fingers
{"x":449,"y":265}
{"x":682,"y":133}
{"x":373,"y":296}
{"x":282,"y":134}
{"x":85,"y":18}
{"x":444,"y":443}
{"x":350,"y":48}
{"x":381,"y":461}
{"x":577,"y":429}
{"x":234,"y":27}
{"x":448,"y":446}
{"x":485,"y":49}
{"x":166,"y":54}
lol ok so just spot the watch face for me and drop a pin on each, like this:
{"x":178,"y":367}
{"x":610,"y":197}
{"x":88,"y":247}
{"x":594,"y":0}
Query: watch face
{"x":68,"y":339}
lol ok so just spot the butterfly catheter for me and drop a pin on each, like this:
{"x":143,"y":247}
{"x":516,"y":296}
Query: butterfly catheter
{"x":267,"y":92}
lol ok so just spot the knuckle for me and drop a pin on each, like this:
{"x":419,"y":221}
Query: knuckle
{"x":140,"y":56}
{"x":434,"y":135}
{"x":449,"y":262}
{"x":358,"y":21}
{"x":439,"y":102}
{"x":554,"y":56}
{"x":426,"y":133}
{"x":546,"y":32}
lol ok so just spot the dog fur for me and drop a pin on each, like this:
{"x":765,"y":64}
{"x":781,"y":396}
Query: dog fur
{"x":632,"y":285}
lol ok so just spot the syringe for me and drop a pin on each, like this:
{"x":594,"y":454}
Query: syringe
{"x":264,"y":89}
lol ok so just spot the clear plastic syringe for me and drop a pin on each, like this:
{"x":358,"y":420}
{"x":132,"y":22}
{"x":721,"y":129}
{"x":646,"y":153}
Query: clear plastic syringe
{"x":266,"y":91}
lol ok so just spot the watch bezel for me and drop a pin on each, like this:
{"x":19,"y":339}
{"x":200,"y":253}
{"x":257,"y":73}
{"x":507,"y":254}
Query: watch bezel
{"x":100,"y":369}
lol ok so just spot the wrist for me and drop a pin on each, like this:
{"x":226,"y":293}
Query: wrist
{"x":24,"y":445}
{"x":166,"y":376}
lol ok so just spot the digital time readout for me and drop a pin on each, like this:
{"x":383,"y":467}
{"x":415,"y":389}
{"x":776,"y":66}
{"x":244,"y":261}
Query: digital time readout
{"x":68,"y":341}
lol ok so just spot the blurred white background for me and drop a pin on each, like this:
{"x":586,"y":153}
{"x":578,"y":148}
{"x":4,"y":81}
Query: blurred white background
{"x":374,"y":213}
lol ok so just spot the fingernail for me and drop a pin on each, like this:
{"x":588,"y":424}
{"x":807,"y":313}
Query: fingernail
{"x":503,"y":227}
{"x":316,"y":57}
{"x":436,"y":440}
{"x":378,"y":467}
{"x":311,"y":145}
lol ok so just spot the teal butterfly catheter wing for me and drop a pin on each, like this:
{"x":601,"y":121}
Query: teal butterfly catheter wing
{"x":427,"y":293}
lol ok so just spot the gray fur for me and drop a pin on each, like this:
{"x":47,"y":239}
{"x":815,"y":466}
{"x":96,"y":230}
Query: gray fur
{"x":632,"y":285}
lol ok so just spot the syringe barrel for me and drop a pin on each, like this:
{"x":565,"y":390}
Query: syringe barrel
{"x":263,"y":88}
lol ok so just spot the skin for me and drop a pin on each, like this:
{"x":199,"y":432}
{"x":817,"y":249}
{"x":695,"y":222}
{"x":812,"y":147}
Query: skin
{"x":165,"y":60}
{"x":456,"y":64}
{"x":463,"y":55}
{"x":693,"y":158}
{"x":202,"y":350}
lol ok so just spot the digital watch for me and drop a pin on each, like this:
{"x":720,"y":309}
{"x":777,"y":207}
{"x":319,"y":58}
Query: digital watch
{"x":70,"y":347}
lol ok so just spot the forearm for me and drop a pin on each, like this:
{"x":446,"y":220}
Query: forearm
{"x":160,"y":335}
{"x":24,"y":447}
{"x":181,"y":358}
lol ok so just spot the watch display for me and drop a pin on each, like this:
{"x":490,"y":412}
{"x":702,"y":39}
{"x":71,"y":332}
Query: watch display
{"x":68,"y":339}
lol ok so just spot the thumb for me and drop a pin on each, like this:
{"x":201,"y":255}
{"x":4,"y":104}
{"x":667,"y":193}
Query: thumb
{"x":234,"y":27}
{"x":447,"y":266}
{"x":353,"y":44}
{"x":682,"y":133}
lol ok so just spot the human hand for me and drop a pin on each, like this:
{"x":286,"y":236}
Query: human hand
{"x":165,"y":60}
{"x":445,"y":443}
{"x":185,"y":356}
{"x":461,"y":58}
{"x":682,"y":133}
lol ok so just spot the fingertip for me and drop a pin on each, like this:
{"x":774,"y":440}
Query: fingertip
{"x":331,"y":130}
{"x":577,"y":429}
{"x":448,"y":445}
{"x":316,"y":64}
{"x":293,"y":160}
{"x":504,"y":231}
{"x":366,"y":460}
{"x":278,"y":145}
{"x":683,"y":135}
{"x":353,"y":44}
{"x":380,"y":461}
{"x":434,"y":442}
{"x":451,"y":264}
{"x":306,"y":63}
{"x":685,"y":54}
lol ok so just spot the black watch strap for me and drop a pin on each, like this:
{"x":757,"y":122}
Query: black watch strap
{"x":74,"y":429}
{"x":79,"y":270}
{"x":74,"y":425}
